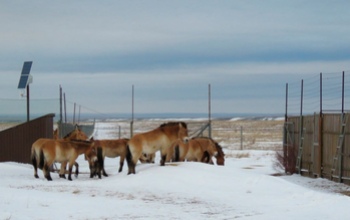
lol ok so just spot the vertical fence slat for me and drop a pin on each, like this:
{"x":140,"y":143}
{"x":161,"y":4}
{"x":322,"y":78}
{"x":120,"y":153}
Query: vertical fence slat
{"x":16,"y":142}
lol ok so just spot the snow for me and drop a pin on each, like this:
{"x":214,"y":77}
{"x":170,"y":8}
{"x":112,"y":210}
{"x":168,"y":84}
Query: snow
{"x":245,"y":188}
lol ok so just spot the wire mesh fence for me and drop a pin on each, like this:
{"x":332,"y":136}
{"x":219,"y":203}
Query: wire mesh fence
{"x":324,"y":92}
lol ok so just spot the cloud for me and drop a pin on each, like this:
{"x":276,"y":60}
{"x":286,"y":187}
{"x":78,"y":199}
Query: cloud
{"x":171,"y":50}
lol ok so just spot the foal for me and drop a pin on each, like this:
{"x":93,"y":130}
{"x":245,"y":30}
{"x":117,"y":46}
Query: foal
{"x":200,"y":149}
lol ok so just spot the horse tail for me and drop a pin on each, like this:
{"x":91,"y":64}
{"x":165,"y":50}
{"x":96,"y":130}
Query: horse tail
{"x":128,"y":155}
{"x":34,"y":159}
{"x":100,"y":159}
{"x":42,"y":159}
{"x":177,"y":153}
{"x":129,"y":159}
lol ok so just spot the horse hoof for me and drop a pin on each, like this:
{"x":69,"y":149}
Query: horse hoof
{"x":36,"y":176}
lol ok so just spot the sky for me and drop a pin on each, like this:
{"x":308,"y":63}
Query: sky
{"x":170,"y":51}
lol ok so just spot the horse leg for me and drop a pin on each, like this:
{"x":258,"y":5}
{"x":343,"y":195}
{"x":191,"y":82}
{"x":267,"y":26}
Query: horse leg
{"x":62,"y":173}
{"x":163,"y":156}
{"x":121,"y":163}
{"x":46,"y":171}
{"x":76,"y":169}
{"x":104,"y":172}
{"x":103,"y":169}
{"x":70,"y":171}
{"x":35,"y":165}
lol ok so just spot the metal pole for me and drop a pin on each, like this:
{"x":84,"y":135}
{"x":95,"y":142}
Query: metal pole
{"x":301,"y":98}
{"x":286,"y":111}
{"x":132,"y":112}
{"x":28,"y":102}
{"x":79,"y":114}
{"x":241,"y":137}
{"x":320,"y":93}
{"x":60,"y":128}
{"x":300,"y":128}
{"x":74,"y":114}
{"x":342,"y":94}
{"x":65,"y":108}
{"x":209,"y":110}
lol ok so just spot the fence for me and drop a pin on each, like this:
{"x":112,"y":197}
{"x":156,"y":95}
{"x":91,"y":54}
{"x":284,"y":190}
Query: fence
{"x":16,"y":142}
{"x":318,"y":144}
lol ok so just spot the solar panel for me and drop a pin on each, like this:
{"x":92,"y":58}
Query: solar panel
{"x":23,"y":80}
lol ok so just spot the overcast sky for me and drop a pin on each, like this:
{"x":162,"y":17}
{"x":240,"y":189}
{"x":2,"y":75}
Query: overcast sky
{"x":170,"y":51}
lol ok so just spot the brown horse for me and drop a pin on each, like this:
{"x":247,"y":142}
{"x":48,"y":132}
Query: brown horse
{"x":76,"y":134}
{"x":47,"y":151}
{"x":150,"y":142}
{"x":112,"y":149}
{"x":200,"y":149}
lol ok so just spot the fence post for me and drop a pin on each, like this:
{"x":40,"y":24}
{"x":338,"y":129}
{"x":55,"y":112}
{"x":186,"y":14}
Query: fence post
{"x":241,"y":137}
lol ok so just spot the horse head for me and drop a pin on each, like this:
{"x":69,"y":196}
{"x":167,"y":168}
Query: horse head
{"x":78,"y":134}
{"x":220,"y":155}
{"x":95,"y":159}
{"x":183,"y":132}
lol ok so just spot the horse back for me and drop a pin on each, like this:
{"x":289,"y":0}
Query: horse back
{"x":113,"y":147}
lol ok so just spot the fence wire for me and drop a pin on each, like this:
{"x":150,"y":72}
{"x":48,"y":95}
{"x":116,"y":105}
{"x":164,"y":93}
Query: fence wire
{"x":320,"y":92}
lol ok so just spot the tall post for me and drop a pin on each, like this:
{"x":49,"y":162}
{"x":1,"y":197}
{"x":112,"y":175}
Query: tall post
{"x":60,"y":127}
{"x":132,"y":112}
{"x":342,"y":94}
{"x":79,"y":114}
{"x":28,"y":118}
{"x":301,"y":98}
{"x":320,"y":133}
{"x":320,"y":93}
{"x":65,"y":108}
{"x":300,"y":153}
{"x":74,"y":113}
{"x":285,"y":132}
{"x":286,"y":107}
{"x":209,"y":111}
{"x":241,"y":137}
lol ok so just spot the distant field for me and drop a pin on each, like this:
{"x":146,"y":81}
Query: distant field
{"x":254,"y":134}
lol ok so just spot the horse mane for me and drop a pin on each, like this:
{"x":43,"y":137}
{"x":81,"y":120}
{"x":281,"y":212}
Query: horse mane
{"x":172,"y":123}
{"x":219,"y":149}
{"x":217,"y":145}
{"x":202,"y":138}
{"x":81,"y":141}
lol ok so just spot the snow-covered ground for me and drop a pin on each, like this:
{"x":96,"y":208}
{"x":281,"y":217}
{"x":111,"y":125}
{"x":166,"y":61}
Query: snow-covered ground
{"x":245,"y":188}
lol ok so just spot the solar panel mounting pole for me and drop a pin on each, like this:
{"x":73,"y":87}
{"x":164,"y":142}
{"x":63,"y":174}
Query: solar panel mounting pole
{"x":28,"y":102}
{"x":24,"y":81}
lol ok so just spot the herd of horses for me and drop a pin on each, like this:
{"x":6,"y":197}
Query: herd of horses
{"x":170,"y":139}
